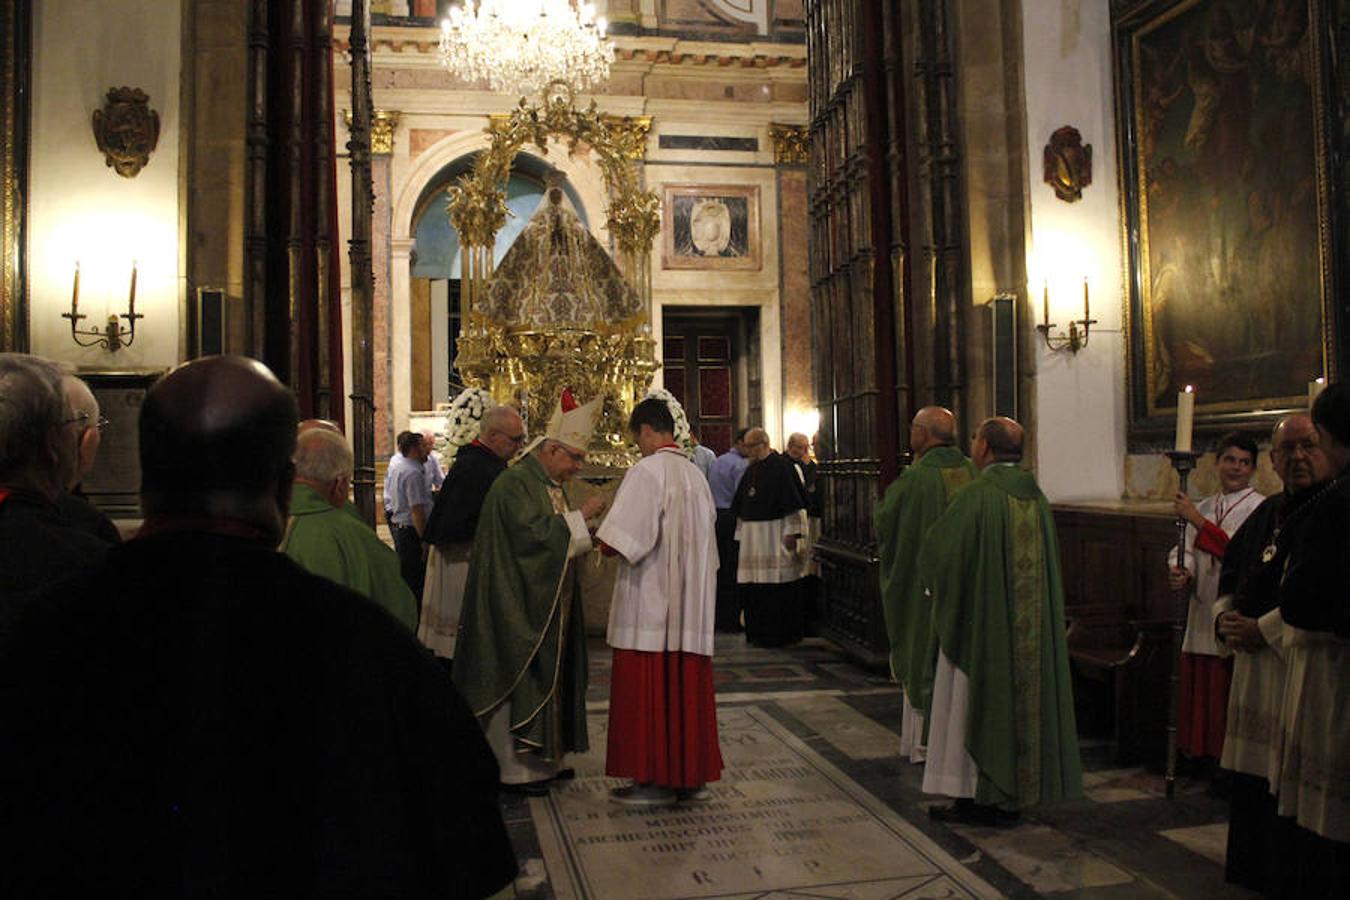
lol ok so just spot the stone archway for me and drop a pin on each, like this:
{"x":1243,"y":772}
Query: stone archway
{"x":392,"y":335}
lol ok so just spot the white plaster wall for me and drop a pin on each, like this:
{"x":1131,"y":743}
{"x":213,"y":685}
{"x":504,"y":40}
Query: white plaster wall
{"x":1080,"y":399}
{"x":81,"y":209}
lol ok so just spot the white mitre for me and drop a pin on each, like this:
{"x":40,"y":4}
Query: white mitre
{"x":571,"y":424}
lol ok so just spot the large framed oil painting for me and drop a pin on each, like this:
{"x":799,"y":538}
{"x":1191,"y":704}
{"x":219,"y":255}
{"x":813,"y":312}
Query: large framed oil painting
{"x":1227,"y":220}
{"x":710,"y":227}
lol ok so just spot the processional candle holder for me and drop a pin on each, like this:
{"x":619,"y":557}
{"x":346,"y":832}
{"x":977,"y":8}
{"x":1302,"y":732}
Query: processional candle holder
{"x":1183,"y":461}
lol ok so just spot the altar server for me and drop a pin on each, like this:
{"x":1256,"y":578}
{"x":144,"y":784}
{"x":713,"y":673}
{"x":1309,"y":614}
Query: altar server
{"x":662,"y":716}
{"x":1206,"y":665}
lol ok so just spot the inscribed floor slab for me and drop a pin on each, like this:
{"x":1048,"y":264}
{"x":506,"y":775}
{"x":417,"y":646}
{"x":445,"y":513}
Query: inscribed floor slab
{"x":784,"y":821}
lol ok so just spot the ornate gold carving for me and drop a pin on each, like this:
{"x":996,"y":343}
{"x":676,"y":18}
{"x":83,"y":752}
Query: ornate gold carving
{"x":126,"y":130}
{"x":791,"y":144}
{"x":384,"y":122}
{"x":518,"y":361}
{"x":629,"y":134}
{"x":382,"y":131}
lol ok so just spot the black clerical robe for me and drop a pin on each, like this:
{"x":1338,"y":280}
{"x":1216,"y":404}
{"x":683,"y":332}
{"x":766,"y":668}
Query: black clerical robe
{"x":454,"y":515}
{"x":770,"y":504}
{"x":38,"y":547}
{"x":201,"y":717}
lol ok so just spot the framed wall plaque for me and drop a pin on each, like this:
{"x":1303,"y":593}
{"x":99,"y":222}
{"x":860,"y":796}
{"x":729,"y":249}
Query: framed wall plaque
{"x":114,"y":485}
{"x":710,"y":227}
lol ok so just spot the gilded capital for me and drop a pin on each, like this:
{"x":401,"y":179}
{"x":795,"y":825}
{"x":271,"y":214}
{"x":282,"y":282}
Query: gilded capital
{"x":382,"y":125}
{"x":382,"y":131}
{"x":791,"y":144}
{"x":628,"y":135}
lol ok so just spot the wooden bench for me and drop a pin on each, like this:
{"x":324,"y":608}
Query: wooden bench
{"x":1118,"y":614}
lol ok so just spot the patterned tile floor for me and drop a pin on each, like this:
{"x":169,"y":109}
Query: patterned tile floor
{"x":1125,"y":839}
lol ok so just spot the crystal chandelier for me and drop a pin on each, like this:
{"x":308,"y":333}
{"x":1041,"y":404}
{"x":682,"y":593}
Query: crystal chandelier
{"x":521,"y":46}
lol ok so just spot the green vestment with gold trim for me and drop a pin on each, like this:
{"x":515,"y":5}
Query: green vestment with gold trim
{"x":521,"y":634}
{"x":991,"y":566}
{"x":912,"y":503}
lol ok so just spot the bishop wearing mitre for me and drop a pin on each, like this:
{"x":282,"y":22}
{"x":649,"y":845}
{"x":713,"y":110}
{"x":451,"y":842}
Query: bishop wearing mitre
{"x":520,"y":658}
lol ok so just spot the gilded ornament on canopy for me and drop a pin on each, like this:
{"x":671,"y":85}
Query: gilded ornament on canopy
{"x":559,"y":312}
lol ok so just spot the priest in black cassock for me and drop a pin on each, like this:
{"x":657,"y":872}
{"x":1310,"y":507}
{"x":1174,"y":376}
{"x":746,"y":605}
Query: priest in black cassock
{"x":1313,"y":780}
{"x":1248,"y":621}
{"x":770,"y":510}
{"x":453,"y":521}
{"x":200,"y":717}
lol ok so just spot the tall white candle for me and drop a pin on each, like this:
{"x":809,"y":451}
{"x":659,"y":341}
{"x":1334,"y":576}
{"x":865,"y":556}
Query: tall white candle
{"x":1315,"y":387}
{"x":1185,"y":418}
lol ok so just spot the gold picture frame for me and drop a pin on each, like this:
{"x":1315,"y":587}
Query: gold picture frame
{"x":710,"y":226}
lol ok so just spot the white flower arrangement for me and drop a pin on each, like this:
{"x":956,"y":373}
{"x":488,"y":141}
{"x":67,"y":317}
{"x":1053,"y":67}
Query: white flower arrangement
{"x":682,"y":435}
{"x":464,"y":419}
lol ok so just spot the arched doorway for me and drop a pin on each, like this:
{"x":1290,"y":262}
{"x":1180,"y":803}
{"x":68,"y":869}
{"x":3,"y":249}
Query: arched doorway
{"x":435,"y":263}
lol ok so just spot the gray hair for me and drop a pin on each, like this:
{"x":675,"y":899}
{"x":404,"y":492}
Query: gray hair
{"x":322,"y":456}
{"x":496,"y":417}
{"x":32,"y":402}
{"x":81,"y":399}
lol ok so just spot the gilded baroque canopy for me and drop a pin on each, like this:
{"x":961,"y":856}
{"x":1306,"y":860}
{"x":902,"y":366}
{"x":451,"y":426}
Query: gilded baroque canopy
{"x":559,"y":313}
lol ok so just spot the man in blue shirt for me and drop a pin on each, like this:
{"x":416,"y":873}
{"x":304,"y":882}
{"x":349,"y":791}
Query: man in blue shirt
{"x":724,"y":476}
{"x":408,"y":499}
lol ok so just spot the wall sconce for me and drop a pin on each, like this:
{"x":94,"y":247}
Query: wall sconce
{"x":1076,"y":339}
{"x":112,"y":337}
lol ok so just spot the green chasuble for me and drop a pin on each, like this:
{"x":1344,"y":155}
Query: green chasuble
{"x":991,"y":564}
{"x":521,"y":634}
{"x":331,"y":542}
{"x":912,"y":503}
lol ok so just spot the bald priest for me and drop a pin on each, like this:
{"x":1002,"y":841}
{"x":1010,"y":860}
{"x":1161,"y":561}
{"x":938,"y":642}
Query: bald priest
{"x":1001,"y":735}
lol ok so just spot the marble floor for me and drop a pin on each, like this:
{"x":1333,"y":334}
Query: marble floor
{"x":815,"y":802}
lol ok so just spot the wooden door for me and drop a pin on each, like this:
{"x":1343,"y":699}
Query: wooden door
{"x":706,"y":364}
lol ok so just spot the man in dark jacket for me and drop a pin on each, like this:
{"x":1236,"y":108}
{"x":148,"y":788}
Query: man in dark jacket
{"x":38,"y":460}
{"x":454,"y":519}
{"x":201,"y":717}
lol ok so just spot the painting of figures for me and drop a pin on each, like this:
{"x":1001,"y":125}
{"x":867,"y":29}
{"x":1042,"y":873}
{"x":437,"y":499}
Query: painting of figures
{"x":1226,"y":203}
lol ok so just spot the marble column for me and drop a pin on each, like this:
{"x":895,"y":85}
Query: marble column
{"x":382,"y":149}
{"x":791,"y":155}
{"x":397,"y":340}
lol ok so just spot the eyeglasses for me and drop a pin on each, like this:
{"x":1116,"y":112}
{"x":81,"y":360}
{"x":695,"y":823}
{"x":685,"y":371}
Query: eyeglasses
{"x":82,"y":420}
{"x":577,"y":458}
{"x":516,"y":438}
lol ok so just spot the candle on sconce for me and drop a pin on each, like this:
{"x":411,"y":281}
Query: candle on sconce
{"x":1315,"y":387}
{"x":75,"y":291}
{"x":1045,"y":301}
{"x":131,"y":300}
{"x":1185,"y":419}
{"x":1087,"y":313}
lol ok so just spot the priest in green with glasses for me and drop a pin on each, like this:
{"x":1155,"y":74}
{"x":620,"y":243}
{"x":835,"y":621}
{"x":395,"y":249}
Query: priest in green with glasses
{"x":1001,"y":735}
{"x":520,"y":657}
{"x":912,"y":503}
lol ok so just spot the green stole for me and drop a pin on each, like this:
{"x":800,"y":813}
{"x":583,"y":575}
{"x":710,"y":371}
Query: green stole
{"x":522,"y":637}
{"x":912,"y":503}
{"x":991,"y":563}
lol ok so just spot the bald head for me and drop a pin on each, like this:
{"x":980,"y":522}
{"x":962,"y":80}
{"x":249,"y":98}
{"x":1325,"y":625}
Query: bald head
{"x":323,"y":424}
{"x":1294,"y":452}
{"x":933,"y":426}
{"x":216,"y":439}
{"x":998,"y":440}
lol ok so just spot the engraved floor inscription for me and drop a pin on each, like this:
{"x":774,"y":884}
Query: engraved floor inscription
{"x":783,"y":822}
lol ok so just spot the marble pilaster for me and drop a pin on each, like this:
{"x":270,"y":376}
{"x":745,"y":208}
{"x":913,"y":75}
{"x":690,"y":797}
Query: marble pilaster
{"x":380,"y":262}
{"x":796,"y":289}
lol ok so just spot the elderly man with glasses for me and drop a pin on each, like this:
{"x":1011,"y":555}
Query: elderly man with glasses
{"x":39,"y":461}
{"x":454,"y":519}
{"x":74,"y":505}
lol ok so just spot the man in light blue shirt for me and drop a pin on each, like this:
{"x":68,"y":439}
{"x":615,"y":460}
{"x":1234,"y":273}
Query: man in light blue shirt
{"x":724,"y":476}
{"x":408,"y":499}
{"x":703,"y":457}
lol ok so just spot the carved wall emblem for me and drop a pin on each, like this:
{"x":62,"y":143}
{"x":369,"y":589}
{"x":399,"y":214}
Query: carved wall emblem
{"x":1068,"y":164}
{"x":127,"y":130}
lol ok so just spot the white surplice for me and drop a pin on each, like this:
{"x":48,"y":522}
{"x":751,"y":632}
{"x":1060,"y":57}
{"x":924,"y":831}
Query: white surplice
{"x":949,"y":769}
{"x":1314,"y":764}
{"x":1255,"y":696}
{"x":663,"y":524}
{"x":1228,"y":511}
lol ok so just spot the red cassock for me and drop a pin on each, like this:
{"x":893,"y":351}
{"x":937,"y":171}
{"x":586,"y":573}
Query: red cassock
{"x":1202,"y":708}
{"x":663,"y":719}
